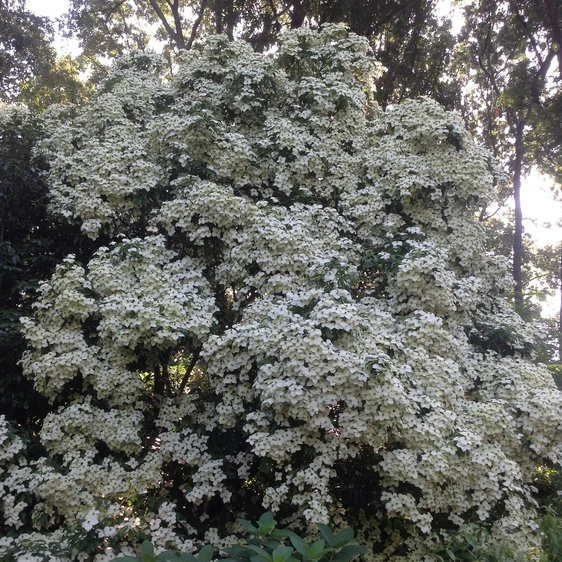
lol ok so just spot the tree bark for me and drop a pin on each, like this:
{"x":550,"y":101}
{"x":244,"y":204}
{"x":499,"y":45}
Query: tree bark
{"x":552,"y":10}
{"x":560,"y":312}
{"x":219,"y":23}
{"x":299,"y":13}
{"x":518,"y":230}
{"x":177,"y":33}
{"x":189,"y":369}
{"x":196,"y":24}
{"x":158,"y":381}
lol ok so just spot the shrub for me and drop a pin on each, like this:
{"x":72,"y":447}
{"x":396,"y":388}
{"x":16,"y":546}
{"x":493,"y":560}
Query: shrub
{"x":291,"y":309}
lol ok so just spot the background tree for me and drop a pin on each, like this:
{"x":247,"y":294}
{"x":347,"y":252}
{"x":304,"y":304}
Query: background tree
{"x":405,"y":35}
{"x":507,"y":55}
{"x":30,"y":71}
{"x":408,"y":39}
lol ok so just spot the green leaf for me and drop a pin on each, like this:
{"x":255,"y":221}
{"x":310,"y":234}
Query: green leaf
{"x":326,"y":532}
{"x":248,"y":527}
{"x":323,"y":552}
{"x":238,"y":551}
{"x":175,"y":556}
{"x":299,"y":544}
{"x":316,"y":548}
{"x":281,"y":534}
{"x":266,"y":523}
{"x":261,"y":553}
{"x":345,"y":536}
{"x":206,"y":554}
{"x":147,"y":552}
{"x":127,"y":559}
{"x":282,"y":554}
{"x":349,"y":552}
{"x":471,"y":541}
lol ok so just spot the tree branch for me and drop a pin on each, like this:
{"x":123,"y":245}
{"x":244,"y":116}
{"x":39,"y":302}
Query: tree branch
{"x":177,"y":38}
{"x":527,"y":31}
{"x":174,"y":6}
{"x":556,"y":34}
{"x":189,"y":370}
{"x":196,"y":24}
{"x":108,"y":10}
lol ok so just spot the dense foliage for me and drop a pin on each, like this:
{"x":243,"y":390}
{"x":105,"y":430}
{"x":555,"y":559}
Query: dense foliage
{"x":31,"y":72}
{"x":405,"y":36}
{"x":509,"y":51}
{"x":31,"y":245}
{"x":291,"y":308}
{"x":266,"y":543}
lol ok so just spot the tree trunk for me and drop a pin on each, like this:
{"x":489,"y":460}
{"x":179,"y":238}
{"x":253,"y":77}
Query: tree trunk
{"x":518,"y":231}
{"x":219,"y":8}
{"x":560,"y":312}
{"x":552,"y":12}
{"x":299,"y":12}
{"x":159,"y":381}
{"x":175,"y":33}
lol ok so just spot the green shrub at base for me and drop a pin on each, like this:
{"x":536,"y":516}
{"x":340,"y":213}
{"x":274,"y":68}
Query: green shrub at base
{"x":267,"y":544}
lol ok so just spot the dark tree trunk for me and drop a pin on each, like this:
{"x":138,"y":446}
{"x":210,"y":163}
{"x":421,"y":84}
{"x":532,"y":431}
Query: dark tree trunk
{"x":518,"y":230}
{"x":299,"y":13}
{"x":560,"y":312}
{"x":219,"y":23}
{"x":159,"y":380}
{"x":176,"y":32}
{"x":553,"y":16}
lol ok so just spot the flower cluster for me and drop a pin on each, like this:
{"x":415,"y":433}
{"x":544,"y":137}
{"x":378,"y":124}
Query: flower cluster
{"x":296,"y":303}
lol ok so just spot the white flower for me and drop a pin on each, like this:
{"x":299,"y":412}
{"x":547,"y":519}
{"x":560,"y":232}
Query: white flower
{"x":91,"y":520}
{"x":303,"y":291}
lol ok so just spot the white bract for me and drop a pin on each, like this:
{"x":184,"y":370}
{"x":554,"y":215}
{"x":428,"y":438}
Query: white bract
{"x":291,"y":308}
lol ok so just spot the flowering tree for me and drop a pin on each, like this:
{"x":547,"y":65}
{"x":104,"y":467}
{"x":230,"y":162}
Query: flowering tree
{"x":291,"y":309}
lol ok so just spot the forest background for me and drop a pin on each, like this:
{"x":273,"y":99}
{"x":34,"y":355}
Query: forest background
{"x":499,"y":65}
